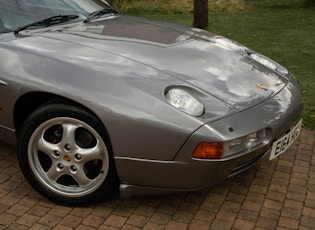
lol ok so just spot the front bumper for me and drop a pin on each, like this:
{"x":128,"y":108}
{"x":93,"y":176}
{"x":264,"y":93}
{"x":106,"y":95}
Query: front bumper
{"x":277,"y":115}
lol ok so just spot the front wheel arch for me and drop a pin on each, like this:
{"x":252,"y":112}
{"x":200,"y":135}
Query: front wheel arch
{"x":29,"y":102}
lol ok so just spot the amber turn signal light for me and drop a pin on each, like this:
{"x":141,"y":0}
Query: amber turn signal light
{"x":208,"y":151}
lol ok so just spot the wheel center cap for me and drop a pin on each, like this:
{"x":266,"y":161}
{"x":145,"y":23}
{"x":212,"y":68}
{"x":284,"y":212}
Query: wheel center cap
{"x":67,"y":158}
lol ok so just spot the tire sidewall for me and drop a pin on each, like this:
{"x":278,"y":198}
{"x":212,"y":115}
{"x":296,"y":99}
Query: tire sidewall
{"x":51,"y":111}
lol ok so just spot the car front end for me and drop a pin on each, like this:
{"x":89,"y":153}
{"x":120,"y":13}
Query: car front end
{"x":219,"y":149}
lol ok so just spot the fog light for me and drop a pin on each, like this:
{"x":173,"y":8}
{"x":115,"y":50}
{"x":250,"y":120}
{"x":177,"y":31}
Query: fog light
{"x":208,"y":151}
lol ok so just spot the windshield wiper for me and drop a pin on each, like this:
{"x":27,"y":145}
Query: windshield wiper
{"x":99,"y":13}
{"x":54,"y":20}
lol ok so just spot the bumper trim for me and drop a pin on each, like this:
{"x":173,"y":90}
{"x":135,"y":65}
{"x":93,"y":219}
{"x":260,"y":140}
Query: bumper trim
{"x":127,"y":190}
{"x":243,"y":167}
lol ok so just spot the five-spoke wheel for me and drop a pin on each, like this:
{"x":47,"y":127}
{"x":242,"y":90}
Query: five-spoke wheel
{"x":65,"y":154}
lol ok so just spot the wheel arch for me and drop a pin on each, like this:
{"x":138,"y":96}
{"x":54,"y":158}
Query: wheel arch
{"x":29,"y":102}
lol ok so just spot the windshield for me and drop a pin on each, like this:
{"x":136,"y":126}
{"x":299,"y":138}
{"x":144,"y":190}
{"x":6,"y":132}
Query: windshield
{"x":18,"y":13}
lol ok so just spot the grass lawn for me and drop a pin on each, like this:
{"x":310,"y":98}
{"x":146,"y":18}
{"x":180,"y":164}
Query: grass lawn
{"x":283,"y":30}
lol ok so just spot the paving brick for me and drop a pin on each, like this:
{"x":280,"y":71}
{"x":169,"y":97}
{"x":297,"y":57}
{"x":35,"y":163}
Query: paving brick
{"x":226,"y":215}
{"x":278,"y":188}
{"x":243,"y":224}
{"x":266,"y":223}
{"x":284,"y":169}
{"x":60,"y":211}
{"x":189,"y":207}
{"x":288,"y":222}
{"x":310,"y":203}
{"x":183,"y":217}
{"x":221,"y":189}
{"x":297,"y":188}
{"x":93,"y":221}
{"x":81,"y":211}
{"x":293,"y":204}
{"x":71,"y":221}
{"x":16,"y":226}
{"x":221,"y":225}
{"x":196,"y":198}
{"x":211,"y":206}
{"x":7,"y":219}
{"x":262,"y":182}
{"x":115,"y":221}
{"x":304,"y":155}
{"x":252,"y":196}
{"x":38,"y":210}
{"x":123,"y":210}
{"x":3,"y":208}
{"x":310,"y":195}
{"x":291,"y":213}
{"x":50,"y":220}
{"x":84,"y":227}
{"x":102,"y":211}
{"x":205,"y":215}
{"x":282,"y":175}
{"x":270,"y":213}
{"x":174,"y":225}
{"x":137,"y":220}
{"x":199,"y":225}
{"x":276,"y":196}
{"x":40,"y":227}
{"x":28,"y":220}
{"x":153,"y":226}
{"x":305,"y":228}
{"x":236,"y":197}
{"x":159,"y":218}
{"x":153,"y":201}
{"x":9,"y":201}
{"x":248,"y":215}
{"x":131,"y":202}
{"x":130,"y":227}
{"x":175,"y":199}
{"x":18,"y":210}
{"x":298,"y":196}
{"x":259,"y":189}
{"x":62,"y":227}
{"x":145,"y":210}
{"x":298,"y":181}
{"x":252,"y":206}
{"x":287,"y":163}
{"x":239,"y":189}
{"x":167,"y":208}
{"x":309,"y":212}
{"x":231,"y":206}
{"x":307,"y":221}
{"x":214,"y":197}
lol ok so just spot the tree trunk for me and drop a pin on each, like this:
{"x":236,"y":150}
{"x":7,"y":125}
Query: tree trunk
{"x":201,"y":14}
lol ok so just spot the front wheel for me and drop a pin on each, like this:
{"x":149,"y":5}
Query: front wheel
{"x":65,"y":154}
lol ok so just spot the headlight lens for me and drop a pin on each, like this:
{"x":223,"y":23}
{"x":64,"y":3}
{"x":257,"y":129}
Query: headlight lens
{"x":184,"y":101}
{"x":269,"y":63}
{"x":243,"y":143}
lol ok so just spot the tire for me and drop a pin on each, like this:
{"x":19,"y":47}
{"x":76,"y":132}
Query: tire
{"x":65,"y":154}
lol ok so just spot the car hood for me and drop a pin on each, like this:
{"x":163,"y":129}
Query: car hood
{"x":211,"y":63}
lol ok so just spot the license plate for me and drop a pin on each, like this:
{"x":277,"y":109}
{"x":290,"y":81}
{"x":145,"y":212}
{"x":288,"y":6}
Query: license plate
{"x":282,"y":144}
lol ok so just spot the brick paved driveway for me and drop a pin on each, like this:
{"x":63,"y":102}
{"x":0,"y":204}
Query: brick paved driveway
{"x":273,"y":194}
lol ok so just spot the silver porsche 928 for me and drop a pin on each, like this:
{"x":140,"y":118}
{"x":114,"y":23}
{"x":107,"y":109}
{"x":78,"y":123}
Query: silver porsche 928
{"x":98,"y":102}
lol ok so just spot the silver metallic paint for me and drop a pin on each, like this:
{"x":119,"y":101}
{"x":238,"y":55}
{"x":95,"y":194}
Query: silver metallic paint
{"x":119,"y":68}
